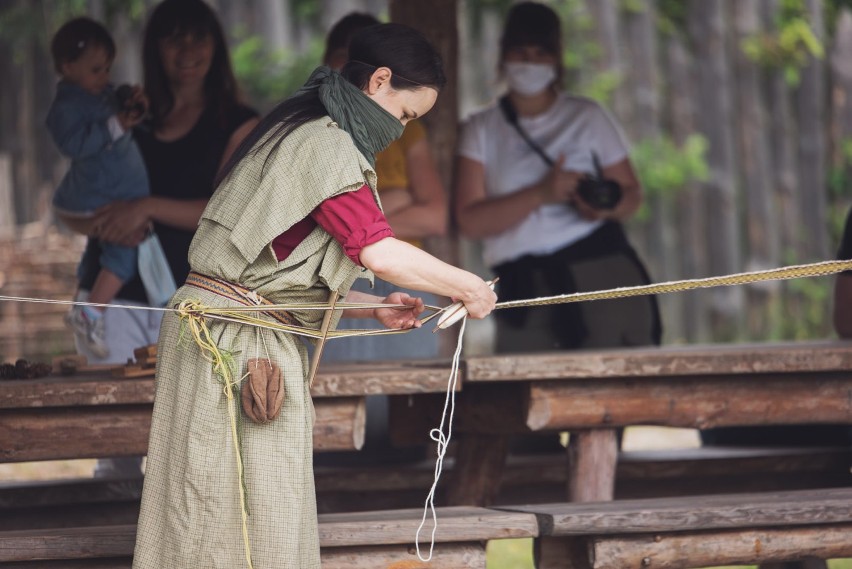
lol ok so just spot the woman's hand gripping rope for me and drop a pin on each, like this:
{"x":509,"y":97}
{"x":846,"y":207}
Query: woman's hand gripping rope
{"x":456,"y":311}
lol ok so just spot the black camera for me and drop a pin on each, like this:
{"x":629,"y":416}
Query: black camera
{"x":598,"y":192}
{"x":124,"y":96}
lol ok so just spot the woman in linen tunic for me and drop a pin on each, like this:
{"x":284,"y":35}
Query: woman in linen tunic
{"x":191,"y":512}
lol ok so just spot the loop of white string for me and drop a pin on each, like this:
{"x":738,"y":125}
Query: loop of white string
{"x":442,"y":440}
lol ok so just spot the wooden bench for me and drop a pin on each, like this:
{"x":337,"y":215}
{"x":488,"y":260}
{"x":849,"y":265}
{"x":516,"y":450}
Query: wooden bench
{"x":527,"y":479}
{"x":680,"y":533}
{"x":665,"y":533}
{"x":352,"y":540}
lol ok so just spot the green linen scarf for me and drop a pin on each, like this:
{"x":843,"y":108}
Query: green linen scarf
{"x":371,"y":127}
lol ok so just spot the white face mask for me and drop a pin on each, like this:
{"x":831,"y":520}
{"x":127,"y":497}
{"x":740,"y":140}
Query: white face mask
{"x":529,"y":78}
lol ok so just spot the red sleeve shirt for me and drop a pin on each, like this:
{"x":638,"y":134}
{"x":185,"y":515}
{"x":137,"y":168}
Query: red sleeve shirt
{"x":353,"y":219}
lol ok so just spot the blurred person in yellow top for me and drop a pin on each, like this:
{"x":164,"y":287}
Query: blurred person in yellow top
{"x":415,"y":204}
{"x":412,"y":195}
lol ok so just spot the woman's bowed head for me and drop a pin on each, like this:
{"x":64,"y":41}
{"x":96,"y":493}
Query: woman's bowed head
{"x":393,"y":75}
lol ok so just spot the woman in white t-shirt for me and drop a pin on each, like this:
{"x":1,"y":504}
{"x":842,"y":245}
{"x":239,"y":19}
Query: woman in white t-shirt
{"x":521,"y":165}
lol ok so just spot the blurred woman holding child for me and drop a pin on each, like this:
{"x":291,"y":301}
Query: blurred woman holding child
{"x":195,"y":121}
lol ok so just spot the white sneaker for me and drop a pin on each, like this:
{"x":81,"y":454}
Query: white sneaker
{"x":89,"y":331}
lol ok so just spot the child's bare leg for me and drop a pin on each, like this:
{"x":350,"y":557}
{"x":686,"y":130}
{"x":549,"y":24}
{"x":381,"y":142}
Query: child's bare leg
{"x":88,"y":321}
{"x":107,"y":284}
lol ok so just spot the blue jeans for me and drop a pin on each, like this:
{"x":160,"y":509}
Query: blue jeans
{"x":118,"y":259}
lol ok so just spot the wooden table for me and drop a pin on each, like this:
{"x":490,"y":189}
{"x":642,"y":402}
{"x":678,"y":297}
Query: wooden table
{"x":591,"y":393}
{"x":90,"y":416}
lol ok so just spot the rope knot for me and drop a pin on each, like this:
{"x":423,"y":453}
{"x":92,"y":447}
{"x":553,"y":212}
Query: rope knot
{"x":189,"y":309}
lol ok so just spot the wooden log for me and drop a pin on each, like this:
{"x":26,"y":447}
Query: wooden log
{"x":361,"y":529}
{"x":122,"y":430}
{"x":149,"y":351}
{"x":724,"y":359}
{"x":74,"y":432}
{"x":133,"y":371}
{"x":697,"y":402}
{"x":331,"y":381}
{"x":689,"y":513}
{"x":340,"y":423}
{"x":80,"y":390}
{"x":107,"y":563}
{"x":591,"y":465}
{"x":73,"y":543}
{"x":389,"y":378}
{"x":445,"y":556}
{"x":591,"y":478}
{"x":455,"y":524}
{"x":702,"y":549}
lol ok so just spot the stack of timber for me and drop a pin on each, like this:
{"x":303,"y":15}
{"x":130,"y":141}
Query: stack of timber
{"x":144,"y":366}
{"x":37,"y":261}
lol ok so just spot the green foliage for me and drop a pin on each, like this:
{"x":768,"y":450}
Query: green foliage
{"x":803,"y":314}
{"x":632,"y":6}
{"x":269,"y":76}
{"x":510,"y":554}
{"x":790,"y":46}
{"x":601,"y":86}
{"x":671,"y":16}
{"x":666,"y":168}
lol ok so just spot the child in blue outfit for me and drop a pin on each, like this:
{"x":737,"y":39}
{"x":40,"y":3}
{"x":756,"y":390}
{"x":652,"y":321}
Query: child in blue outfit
{"x":89,"y":127}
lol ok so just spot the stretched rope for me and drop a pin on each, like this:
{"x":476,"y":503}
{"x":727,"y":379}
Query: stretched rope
{"x":784,"y":273}
{"x":235,"y":313}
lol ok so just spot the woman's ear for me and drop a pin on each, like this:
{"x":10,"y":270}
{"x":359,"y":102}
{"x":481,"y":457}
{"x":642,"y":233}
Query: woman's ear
{"x":381,"y":76}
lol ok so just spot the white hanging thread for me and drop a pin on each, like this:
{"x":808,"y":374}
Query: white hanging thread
{"x":443,"y":441}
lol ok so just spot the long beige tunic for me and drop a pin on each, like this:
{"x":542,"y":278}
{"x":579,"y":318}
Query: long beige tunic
{"x":190,"y":514}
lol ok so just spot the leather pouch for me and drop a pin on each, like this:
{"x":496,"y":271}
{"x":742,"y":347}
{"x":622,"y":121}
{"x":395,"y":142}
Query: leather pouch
{"x":262,"y":394}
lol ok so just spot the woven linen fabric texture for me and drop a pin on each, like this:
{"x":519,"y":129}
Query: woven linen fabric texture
{"x":190,"y":515}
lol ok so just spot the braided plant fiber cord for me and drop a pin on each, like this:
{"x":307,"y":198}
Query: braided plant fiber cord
{"x":823,"y":268}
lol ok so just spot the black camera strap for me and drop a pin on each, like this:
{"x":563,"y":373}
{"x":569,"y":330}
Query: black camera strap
{"x":511,"y":116}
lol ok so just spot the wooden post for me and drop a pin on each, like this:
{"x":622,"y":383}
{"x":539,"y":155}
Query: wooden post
{"x":755,"y":175}
{"x":592,"y":457}
{"x":782,"y":138}
{"x":812,"y":156}
{"x":841,"y":93}
{"x":690,"y":224}
{"x":707,"y":24}
{"x":591,"y":465}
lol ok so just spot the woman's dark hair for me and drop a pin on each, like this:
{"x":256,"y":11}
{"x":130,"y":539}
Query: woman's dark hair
{"x":341,"y":33}
{"x":413,"y":61}
{"x":177,"y":18}
{"x":75,"y":37}
{"x":531,"y":23}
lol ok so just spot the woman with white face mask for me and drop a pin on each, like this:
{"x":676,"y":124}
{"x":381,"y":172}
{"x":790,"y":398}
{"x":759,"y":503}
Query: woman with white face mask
{"x":524,"y":187}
